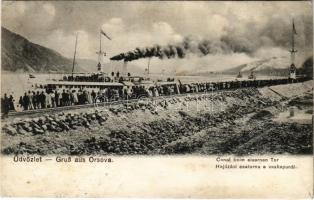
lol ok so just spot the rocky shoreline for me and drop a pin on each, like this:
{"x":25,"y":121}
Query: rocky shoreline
{"x":227,"y":122}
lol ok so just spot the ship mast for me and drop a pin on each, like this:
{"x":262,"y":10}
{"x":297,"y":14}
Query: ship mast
{"x":148,"y":66}
{"x":293,"y":50}
{"x":74,"y":55}
{"x":100,"y":53}
{"x":292,"y":69}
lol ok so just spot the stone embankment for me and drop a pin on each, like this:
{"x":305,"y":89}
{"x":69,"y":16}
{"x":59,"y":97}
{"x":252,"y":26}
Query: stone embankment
{"x":238,"y":122}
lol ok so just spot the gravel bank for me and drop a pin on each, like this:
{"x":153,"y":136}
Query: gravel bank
{"x":228,"y":122}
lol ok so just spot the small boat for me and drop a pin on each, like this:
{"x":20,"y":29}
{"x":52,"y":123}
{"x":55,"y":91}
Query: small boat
{"x":252,"y":75}
{"x":31,"y":76}
{"x":239,"y":75}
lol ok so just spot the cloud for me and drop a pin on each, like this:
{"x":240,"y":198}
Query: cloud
{"x":13,"y":9}
{"x":216,"y":26}
{"x":32,"y":18}
{"x":132,"y":36}
{"x":65,"y":43}
{"x":12,"y":12}
{"x":163,"y":33}
{"x":42,"y":17}
{"x":269,"y":52}
{"x":194,"y":63}
{"x":241,"y":30}
{"x":114,"y":26}
{"x":49,"y":9}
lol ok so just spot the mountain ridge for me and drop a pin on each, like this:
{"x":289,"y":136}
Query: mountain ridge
{"x":20,"y":54}
{"x":274,"y":66}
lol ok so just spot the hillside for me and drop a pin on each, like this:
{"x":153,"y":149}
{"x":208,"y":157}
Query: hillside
{"x":274,"y":66}
{"x":19,"y":54}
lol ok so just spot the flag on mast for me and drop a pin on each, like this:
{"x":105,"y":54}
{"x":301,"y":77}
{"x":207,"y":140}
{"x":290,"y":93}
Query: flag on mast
{"x":102,"y":32}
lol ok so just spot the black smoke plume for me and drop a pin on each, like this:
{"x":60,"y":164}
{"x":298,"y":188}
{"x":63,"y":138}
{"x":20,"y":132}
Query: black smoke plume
{"x":247,"y":39}
{"x":189,"y":45}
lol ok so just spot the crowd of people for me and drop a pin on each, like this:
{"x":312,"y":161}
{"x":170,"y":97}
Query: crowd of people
{"x":7,"y":104}
{"x":43,"y":98}
{"x":50,"y":99}
{"x":95,"y":77}
{"x":47,"y":98}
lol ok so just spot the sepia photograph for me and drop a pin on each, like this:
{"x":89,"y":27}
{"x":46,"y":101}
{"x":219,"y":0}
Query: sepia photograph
{"x":156,"y":78}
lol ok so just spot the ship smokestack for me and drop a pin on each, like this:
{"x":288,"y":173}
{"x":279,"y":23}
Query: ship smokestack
{"x":124,"y":68}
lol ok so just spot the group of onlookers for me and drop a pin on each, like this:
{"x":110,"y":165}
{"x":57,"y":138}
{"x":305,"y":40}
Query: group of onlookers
{"x":51,"y":99}
{"x":56,"y":98}
{"x":7,"y":104}
{"x":94,"y":77}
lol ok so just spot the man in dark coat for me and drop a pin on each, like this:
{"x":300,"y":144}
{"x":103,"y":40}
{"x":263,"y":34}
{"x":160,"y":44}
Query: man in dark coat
{"x":21,"y":102}
{"x":26,"y":101}
{"x":37,"y":97}
{"x":5,"y":106}
{"x":57,"y":100}
{"x":93,"y":94}
{"x":63,"y":98}
{"x":11,"y":103}
{"x":34,"y":100}
{"x":42,"y":98}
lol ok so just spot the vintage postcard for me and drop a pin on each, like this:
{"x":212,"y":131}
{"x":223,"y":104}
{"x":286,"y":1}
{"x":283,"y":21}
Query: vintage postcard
{"x":157,"y":99}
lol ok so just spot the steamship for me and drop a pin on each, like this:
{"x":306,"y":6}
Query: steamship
{"x":99,"y":80}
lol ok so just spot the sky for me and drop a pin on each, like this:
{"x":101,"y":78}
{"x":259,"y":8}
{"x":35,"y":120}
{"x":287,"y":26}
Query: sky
{"x":252,"y":30}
